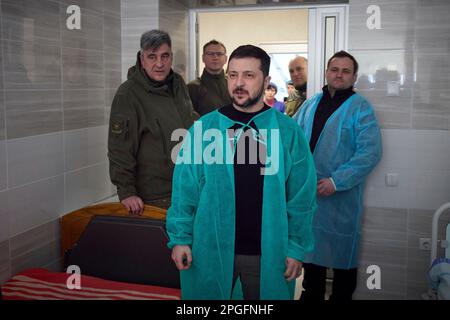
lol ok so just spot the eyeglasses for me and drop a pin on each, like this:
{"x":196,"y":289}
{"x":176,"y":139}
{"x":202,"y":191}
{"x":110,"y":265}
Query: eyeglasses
{"x":214,"y":54}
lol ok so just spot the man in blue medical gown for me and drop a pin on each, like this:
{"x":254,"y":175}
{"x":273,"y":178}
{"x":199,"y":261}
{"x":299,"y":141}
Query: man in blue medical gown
{"x":244,"y":194}
{"x":345,"y":140}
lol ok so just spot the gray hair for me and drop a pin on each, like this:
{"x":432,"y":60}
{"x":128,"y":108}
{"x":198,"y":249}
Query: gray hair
{"x":153,"y":39}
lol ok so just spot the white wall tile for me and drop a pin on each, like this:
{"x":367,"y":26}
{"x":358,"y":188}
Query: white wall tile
{"x":421,"y":159}
{"x":377,"y":194}
{"x":3,"y":165}
{"x":429,"y":190}
{"x":138,"y":16}
{"x":4,"y":217}
{"x":418,"y":265}
{"x":33,"y":145}
{"x":381,"y":254}
{"x":85,"y":147}
{"x":384,"y":226}
{"x":34,"y":158}
{"x":416,"y":149}
{"x":87,"y":186}
{"x":5,"y":262}
{"x":37,"y":258}
{"x":35,"y":204}
{"x":35,"y":238}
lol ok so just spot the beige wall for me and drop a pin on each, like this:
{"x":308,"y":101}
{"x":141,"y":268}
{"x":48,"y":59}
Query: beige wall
{"x":252,"y":27}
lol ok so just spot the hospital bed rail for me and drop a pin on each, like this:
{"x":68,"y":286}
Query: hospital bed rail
{"x":434,"y":232}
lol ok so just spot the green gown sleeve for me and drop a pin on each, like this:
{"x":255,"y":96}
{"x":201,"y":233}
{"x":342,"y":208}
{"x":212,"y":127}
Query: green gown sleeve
{"x":301,"y":198}
{"x":185,"y":198}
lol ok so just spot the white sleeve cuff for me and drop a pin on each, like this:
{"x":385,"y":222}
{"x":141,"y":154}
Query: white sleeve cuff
{"x":332,"y":181}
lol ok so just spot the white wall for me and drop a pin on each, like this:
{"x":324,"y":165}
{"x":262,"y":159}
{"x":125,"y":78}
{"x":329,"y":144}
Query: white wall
{"x":251,"y":27}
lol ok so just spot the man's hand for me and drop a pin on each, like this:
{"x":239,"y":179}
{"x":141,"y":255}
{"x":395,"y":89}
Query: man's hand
{"x":134,"y":205}
{"x":325,"y":187}
{"x":293,"y":269}
{"x":182,"y":256}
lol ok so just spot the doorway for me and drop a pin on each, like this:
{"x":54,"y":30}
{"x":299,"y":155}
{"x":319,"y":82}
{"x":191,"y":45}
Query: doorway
{"x":315,"y":32}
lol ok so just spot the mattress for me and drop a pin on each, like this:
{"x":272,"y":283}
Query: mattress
{"x":41,"y":284}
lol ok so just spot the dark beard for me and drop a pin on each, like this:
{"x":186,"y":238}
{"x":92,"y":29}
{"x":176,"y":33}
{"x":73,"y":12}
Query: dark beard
{"x":250,"y":101}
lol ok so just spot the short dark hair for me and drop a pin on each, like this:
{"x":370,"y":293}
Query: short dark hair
{"x":214,"y":42}
{"x":153,"y":39}
{"x":344,"y":54}
{"x":272,"y":85}
{"x":250,"y":51}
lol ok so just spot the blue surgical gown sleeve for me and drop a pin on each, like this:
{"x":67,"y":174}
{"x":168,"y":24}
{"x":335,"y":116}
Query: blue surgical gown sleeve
{"x":301,"y":197}
{"x":186,"y":188}
{"x":368,"y":150}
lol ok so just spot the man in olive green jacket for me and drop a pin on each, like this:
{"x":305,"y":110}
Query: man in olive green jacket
{"x":210,"y":91}
{"x":146,"y":109}
{"x":298,"y":70}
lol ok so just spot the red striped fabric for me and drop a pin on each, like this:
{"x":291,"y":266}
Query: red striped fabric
{"x":40,"y":284}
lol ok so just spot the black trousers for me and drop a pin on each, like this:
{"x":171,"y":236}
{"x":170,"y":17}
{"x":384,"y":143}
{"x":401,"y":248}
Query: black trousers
{"x":248,"y":267}
{"x":314,"y":283}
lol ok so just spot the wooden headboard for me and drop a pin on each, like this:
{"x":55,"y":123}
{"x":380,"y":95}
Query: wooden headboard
{"x":74,"y":223}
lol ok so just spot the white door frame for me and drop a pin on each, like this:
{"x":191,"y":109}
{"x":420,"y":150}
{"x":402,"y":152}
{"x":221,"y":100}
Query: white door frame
{"x":316,"y":36}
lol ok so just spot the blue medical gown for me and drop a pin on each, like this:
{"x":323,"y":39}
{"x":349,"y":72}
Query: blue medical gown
{"x":202,"y":214}
{"x":347,"y":150}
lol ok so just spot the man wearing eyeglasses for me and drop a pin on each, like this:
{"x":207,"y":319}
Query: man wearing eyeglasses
{"x":146,"y":109}
{"x":209,"y":92}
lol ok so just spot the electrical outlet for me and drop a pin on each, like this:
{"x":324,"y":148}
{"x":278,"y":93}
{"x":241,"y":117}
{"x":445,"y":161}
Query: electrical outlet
{"x":425,"y":244}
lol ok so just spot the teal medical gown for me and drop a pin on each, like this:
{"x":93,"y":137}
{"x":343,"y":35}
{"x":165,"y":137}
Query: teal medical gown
{"x":202,"y":214}
{"x":347,"y":150}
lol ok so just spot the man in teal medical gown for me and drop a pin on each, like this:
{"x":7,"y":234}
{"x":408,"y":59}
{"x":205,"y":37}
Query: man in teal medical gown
{"x":244,"y":194}
{"x":345,"y":140}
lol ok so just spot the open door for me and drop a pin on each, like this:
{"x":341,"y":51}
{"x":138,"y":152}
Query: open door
{"x":316,"y":33}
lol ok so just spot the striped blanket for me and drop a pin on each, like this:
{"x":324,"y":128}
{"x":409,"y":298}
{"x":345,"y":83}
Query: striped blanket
{"x":40,"y":284}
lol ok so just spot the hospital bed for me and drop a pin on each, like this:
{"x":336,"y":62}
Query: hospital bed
{"x":439,"y":274}
{"x":114,"y":256}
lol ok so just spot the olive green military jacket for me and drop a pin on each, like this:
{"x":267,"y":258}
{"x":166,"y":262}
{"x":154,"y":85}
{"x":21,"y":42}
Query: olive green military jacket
{"x":294,"y":101}
{"x":209,"y":92}
{"x":144,"y":113}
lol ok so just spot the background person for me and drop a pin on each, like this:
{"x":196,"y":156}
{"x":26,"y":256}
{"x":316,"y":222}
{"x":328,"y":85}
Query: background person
{"x":298,"y":70}
{"x":146,"y":109}
{"x":209,"y":92}
{"x":270,"y":100}
{"x":345,"y":139}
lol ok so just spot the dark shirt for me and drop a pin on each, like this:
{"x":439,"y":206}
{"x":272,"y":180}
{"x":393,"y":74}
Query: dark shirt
{"x":248,"y":184}
{"x":327,"y":106}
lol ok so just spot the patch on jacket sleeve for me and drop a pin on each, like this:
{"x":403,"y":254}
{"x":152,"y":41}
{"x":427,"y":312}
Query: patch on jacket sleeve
{"x":117,"y":126}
